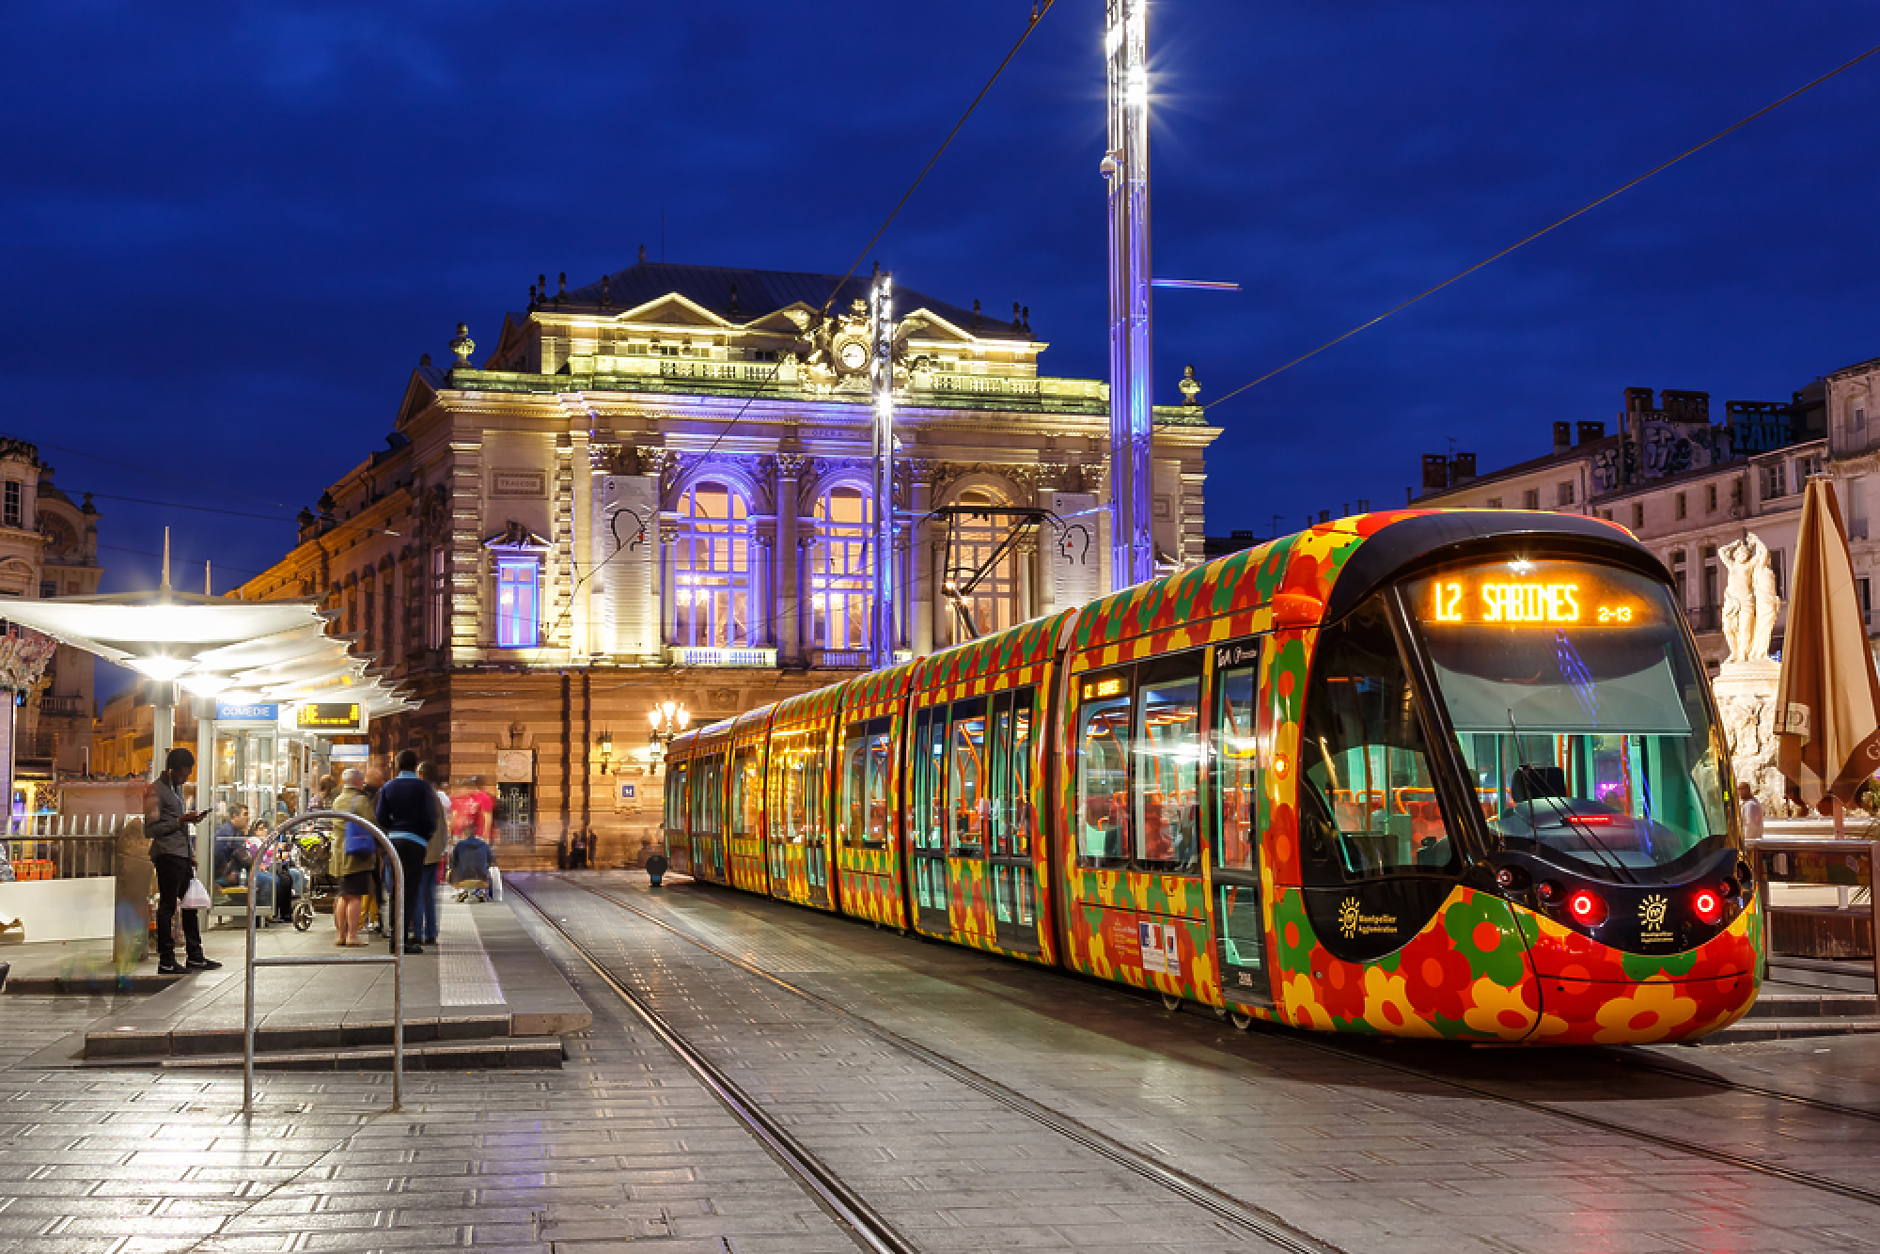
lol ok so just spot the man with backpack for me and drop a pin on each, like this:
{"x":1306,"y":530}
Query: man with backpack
{"x":356,"y":868}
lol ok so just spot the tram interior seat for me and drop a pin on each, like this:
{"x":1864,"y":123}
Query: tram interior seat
{"x":1235,"y":825}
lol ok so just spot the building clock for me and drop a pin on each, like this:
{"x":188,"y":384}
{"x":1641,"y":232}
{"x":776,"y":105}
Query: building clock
{"x":853,"y":354}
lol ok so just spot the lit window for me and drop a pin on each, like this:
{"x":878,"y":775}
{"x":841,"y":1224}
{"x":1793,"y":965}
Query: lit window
{"x":711,"y":569}
{"x":840,"y":572}
{"x":993,"y":602}
{"x":518,"y":596}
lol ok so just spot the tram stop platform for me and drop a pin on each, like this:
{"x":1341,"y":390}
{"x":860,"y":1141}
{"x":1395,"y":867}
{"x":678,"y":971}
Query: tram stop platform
{"x":484,"y":997}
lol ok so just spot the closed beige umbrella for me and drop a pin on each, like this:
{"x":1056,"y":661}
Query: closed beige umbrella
{"x":1828,"y":699}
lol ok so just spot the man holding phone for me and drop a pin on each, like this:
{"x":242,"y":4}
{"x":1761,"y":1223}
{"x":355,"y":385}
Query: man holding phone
{"x":172,"y":852}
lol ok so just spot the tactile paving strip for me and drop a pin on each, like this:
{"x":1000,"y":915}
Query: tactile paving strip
{"x":465,"y":976}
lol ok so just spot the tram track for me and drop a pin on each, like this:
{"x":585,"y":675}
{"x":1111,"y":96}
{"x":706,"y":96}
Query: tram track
{"x":1153,"y":1169}
{"x":1741,"y":1162}
{"x":1255,"y":1220}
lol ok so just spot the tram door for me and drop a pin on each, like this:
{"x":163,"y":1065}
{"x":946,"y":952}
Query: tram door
{"x":927,"y":826}
{"x":1239,"y":929}
{"x":1013,"y":824}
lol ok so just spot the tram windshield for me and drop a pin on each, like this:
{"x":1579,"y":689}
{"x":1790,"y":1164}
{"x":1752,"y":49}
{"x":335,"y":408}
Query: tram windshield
{"x":1579,"y":711}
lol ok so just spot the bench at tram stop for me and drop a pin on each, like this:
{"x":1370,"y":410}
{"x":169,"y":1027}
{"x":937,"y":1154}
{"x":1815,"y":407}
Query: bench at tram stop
{"x":1820,"y":914}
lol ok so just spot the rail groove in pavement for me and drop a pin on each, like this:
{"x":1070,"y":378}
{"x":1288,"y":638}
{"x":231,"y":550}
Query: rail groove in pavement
{"x":1263,"y":1223}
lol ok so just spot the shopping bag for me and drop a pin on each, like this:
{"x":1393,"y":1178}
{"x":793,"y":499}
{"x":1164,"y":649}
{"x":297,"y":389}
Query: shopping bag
{"x":496,"y":884}
{"x":196,"y":897}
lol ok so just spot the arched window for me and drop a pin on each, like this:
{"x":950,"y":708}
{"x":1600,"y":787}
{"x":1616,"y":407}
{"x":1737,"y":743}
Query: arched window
{"x":840,"y":570}
{"x":993,"y":601}
{"x":711,"y":567}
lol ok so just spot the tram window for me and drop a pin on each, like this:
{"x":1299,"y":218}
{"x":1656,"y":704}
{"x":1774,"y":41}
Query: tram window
{"x":966,"y":778}
{"x":678,"y":797}
{"x":705,"y":782}
{"x":1367,"y":796}
{"x":1236,"y":766}
{"x":930,"y":730}
{"x":1168,"y":767}
{"x":1102,"y":815}
{"x":747,"y":792}
{"x":798,"y":789}
{"x":1011,"y":774}
{"x":865,"y":785}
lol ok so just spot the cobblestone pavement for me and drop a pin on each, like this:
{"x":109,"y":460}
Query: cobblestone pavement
{"x":1363,"y":1157}
{"x":624,"y":1149}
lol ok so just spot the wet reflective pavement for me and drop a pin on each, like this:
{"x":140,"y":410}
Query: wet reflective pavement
{"x":1366,"y":1147}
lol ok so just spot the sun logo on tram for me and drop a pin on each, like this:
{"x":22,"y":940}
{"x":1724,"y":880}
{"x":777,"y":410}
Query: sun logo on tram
{"x":1348,"y":917}
{"x":1651,"y":912}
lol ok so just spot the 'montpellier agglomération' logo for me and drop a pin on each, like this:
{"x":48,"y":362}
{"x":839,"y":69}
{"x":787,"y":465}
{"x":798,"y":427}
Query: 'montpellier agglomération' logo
{"x":1651,"y":917}
{"x":1353,"y":923}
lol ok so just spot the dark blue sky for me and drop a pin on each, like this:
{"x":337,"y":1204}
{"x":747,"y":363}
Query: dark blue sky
{"x":230,"y":230}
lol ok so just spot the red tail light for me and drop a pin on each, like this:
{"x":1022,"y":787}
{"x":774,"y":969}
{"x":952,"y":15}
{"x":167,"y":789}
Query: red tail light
{"x":1707,"y":905}
{"x":1586,"y":908}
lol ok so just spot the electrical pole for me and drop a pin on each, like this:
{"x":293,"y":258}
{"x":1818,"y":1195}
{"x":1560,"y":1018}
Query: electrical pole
{"x":881,"y":376}
{"x":1126,"y":168}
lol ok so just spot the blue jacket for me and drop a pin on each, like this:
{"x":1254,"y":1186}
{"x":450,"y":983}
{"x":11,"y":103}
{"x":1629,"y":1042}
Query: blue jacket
{"x":409,"y":805}
{"x":470,"y":860}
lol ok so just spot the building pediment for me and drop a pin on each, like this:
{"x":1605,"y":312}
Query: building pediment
{"x":674,"y":309}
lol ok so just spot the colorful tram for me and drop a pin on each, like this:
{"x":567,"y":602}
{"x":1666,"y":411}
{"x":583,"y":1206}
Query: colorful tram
{"x":1434,"y":774}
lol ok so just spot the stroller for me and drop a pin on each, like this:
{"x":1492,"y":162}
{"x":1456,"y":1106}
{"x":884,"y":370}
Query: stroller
{"x":311,"y":856}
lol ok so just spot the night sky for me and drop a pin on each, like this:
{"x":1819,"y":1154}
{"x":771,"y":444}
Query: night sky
{"x":230,"y":230}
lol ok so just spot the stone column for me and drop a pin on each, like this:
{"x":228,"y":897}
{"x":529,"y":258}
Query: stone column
{"x":920,"y":627}
{"x":668,"y":585}
{"x":790,"y":468}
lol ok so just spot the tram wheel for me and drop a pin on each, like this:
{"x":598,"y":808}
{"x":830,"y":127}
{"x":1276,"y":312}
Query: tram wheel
{"x":1220,"y":1012}
{"x":303,"y":915}
{"x":1171,"y":1001}
{"x":1243,"y":1022}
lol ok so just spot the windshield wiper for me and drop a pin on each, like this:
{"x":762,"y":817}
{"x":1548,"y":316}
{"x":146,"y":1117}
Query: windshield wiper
{"x":1606,"y":855}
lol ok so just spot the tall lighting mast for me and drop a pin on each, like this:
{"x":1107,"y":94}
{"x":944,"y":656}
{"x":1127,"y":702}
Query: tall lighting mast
{"x":881,"y":377}
{"x":1126,"y":168}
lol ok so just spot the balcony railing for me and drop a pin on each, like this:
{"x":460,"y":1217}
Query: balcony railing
{"x":688,"y":655}
{"x":62,"y":707}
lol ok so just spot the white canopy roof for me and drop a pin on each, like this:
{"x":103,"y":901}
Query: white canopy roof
{"x":280,"y":650}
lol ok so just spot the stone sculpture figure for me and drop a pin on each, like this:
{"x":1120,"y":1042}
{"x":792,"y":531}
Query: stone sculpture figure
{"x":1767,"y":603}
{"x":1747,"y":619}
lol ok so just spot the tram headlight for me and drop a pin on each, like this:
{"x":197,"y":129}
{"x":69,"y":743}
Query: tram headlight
{"x":1707,"y":904}
{"x":1586,"y":907}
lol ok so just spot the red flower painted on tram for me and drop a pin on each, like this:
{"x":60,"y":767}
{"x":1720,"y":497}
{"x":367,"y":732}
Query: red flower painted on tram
{"x":1436,"y":977}
{"x":1341,"y":985}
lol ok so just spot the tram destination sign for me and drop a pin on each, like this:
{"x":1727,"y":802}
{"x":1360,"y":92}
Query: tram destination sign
{"x":1529,"y":594}
{"x":331,"y":716}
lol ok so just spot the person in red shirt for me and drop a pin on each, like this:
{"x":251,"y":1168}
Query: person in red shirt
{"x":473,"y":811}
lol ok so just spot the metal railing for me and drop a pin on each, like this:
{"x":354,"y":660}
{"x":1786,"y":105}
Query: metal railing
{"x":62,"y":846}
{"x":1844,"y":864}
{"x":62,"y":707}
{"x":396,"y":957}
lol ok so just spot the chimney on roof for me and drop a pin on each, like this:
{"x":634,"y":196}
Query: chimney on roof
{"x":563,"y":293}
{"x":607,"y":295}
{"x":1563,"y":436}
{"x":642,"y":254}
{"x":1435,"y":472}
{"x":1590,"y":431}
{"x":1463,"y":470}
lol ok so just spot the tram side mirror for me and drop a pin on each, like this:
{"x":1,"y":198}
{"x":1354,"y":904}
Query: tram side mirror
{"x":656,"y":868}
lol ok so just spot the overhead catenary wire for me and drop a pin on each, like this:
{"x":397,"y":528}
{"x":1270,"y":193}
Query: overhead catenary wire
{"x":1528,"y":239}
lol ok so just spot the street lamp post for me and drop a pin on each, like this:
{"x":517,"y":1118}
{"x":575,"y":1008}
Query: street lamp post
{"x":1126,"y":169}
{"x":669,"y":718}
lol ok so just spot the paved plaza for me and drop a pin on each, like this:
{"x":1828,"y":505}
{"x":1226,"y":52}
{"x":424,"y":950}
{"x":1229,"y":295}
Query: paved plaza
{"x":1380,"y":1148}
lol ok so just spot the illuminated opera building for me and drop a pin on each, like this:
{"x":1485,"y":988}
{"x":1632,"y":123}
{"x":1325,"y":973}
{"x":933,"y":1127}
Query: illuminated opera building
{"x":656,"y":490}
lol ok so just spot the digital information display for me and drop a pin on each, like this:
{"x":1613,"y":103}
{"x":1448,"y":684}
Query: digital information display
{"x":339,"y":716}
{"x":1112,"y":687}
{"x":1529,"y":594}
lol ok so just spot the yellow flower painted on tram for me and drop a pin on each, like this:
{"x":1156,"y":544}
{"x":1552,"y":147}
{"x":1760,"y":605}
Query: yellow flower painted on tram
{"x":1499,"y":1010}
{"x":1302,"y":1004}
{"x":1387,"y":1005}
{"x":1649,"y":1013}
